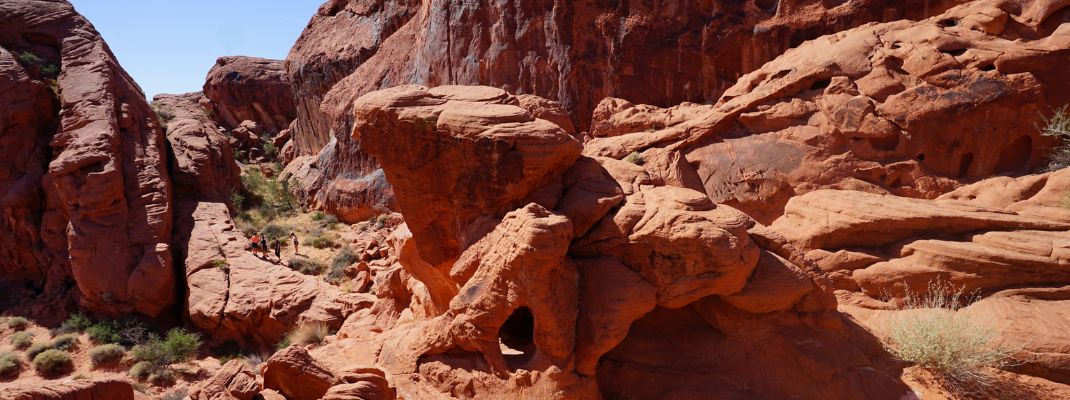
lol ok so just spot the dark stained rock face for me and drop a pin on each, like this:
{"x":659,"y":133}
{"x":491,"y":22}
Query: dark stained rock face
{"x":250,"y":89}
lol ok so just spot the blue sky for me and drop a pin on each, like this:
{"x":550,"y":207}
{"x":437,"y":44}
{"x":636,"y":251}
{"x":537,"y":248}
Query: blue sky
{"x":169,"y":45}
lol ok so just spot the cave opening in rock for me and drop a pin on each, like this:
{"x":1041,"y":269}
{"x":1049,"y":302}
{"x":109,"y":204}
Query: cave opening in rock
{"x":517,"y":337}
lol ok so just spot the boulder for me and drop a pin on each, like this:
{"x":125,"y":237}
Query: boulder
{"x":96,"y":389}
{"x":296,"y":375}
{"x":236,"y":380}
{"x":427,"y":138}
{"x":250,"y":88}
{"x":203,"y":166}
{"x":104,"y":197}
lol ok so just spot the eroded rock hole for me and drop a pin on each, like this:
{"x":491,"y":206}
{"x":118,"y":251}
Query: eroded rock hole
{"x":821,"y":84}
{"x":947,"y":22}
{"x":517,"y":337}
{"x":964,"y":164}
{"x":954,"y":52}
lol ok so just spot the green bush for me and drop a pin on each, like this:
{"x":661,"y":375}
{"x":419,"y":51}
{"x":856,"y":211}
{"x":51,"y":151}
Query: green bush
{"x":321,"y":239}
{"x":104,"y":332}
{"x":49,"y":70}
{"x":22,"y":340}
{"x":318,"y":216}
{"x":635,"y":158}
{"x":307,"y":266}
{"x":181,"y":345}
{"x":344,"y":259}
{"x":53,"y":362}
{"x":162,"y":377}
{"x":237,"y":199}
{"x":18,"y":323}
{"x":106,"y":354}
{"x":165,"y":116}
{"x":931,"y":333}
{"x":269,"y":149}
{"x":9,"y":364}
{"x":220,"y":264}
{"x":77,"y":322}
{"x":143,"y":369}
{"x":29,"y":58}
{"x":282,"y":344}
{"x":65,"y":341}
{"x":276,"y":231}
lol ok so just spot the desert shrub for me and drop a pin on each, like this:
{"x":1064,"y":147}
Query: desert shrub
{"x":343,"y":259}
{"x":1058,"y":126}
{"x":65,"y":342}
{"x":77,"y":322}
{"x":635,"y":158}
{"x":29,"y":58}
{"x":282,"y":344}
{"x":22,"y":340}
{"x":276,"y":231}
{"x":104,"y":332}
{"x":181,"y":345}
{"x":18,"y":323}
{"x":165,"y":116}
{"x":49,"y":70}
{"x":162,"y":377}
{"x":177,"y":394}
{"x":142,"y":369}
{"x":127,"y":332}
{"x":318,"y":216}
{"x":106,"y":354}
{"x":309,"y":333}
{"x":37,"y":348}
{"x":9,"y":364}
{"x":930,"y":333}
{"x":237,"y":200}
{"x":307,"y":266}
{"x":220,"y":264}
{"x":53,"y":362}
{"x":321,"y":239}
{"x":269,"y":149}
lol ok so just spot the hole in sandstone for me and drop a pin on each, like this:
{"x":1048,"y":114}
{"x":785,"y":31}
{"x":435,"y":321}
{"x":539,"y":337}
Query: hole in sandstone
{"x":821,"y":84}
{"x":517,"y":337}
{"x":947,"y":23}
{"x":920,"y":157}
{"x":1015,"y":156}
{"x":896,"y":183}
{"x":769,"y":6}
{"x":987,"y":67}
{"x":964,"y":164}
{"x":954,"y":52}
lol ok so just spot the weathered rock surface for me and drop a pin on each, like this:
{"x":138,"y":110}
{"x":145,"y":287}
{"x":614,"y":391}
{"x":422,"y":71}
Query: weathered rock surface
{"x":297,"y":375}
{"x":234,"y":295}
{"x":430,"y":140}
{"x":203,"y":166}
{"x":909,"y":108}
{"x":100,"y":196}
{"x":70,"y":390}
{"x":236,"y":380}
{"x":973,"y":239}
{"x":251,"y":89}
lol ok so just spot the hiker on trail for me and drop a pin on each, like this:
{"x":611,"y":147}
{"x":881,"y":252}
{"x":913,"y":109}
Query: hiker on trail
{"x":293,"y":235}
{"x":278,"y":249}
{"x":255,"y":240}
{"x":264,"y":246}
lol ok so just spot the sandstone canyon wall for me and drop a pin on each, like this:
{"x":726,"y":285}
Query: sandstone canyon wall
{"x":87,"y":195}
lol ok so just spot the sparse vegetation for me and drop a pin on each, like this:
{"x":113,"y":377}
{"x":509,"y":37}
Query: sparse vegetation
{"x":343,"y":259}
{"x":307,"y":266}
{"x":22,"y":340}
{"x":635,"y":158}
{"x":18,"y":323}
{"x":49,"y":70}
{"x":321,"y":239}
{"x":53,"y":362}
{"x":1058,"y":126}
{"x":282,"y":344}
{"x":37,"y":348}
{"x":221,"y":264}
{"x":276,"y":231}
{"x":29,"y":58}
{"x":177,"y":394}
{"x":106,"y":355}
{"x":65,"y":342}
{"x":127,"y":332}
{"x":165,"y":116}
{"x":155,"y":356}
{"x":9,"y":364}
{"x":308,"y":333}
{"x":76,"y":322}
{"x":263,"y":200}
{"x":930,"y":333}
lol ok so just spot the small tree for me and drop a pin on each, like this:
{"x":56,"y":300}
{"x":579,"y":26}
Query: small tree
{"x":1058,"y":126}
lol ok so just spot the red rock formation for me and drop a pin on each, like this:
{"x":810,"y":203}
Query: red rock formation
{"x":103,"y":206}
{"x":203,"y":166}
{"x":909,"y":108}
{"x":236,"y":380}
{"x":250,"y":89}
{"x":110,"y":389}
{"x":233,"y":295}
{"x":1009,"y":246}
